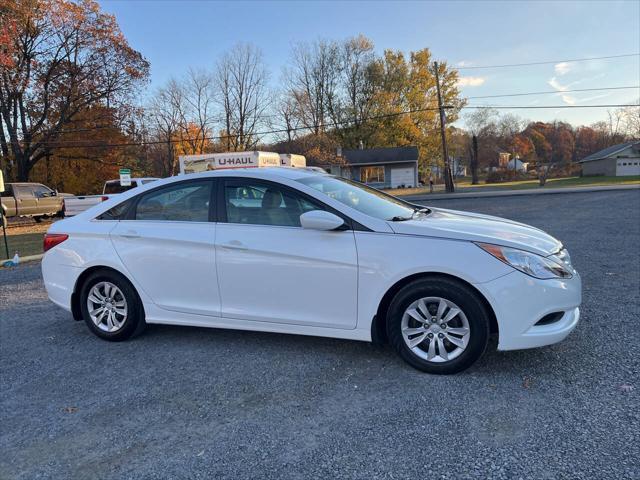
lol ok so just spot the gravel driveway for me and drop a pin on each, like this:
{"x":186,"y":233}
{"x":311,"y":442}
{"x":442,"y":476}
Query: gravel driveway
{"x":208,"y":403}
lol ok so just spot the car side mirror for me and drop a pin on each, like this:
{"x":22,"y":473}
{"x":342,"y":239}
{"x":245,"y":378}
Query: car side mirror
{"x":320,"y":220}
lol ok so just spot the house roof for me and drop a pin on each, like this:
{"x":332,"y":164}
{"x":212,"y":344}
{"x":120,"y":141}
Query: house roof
{"x":609,"y":151}
{"x":381,"y":155}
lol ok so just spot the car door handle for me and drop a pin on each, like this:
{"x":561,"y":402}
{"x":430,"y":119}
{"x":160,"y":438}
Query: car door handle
{"x":234,"y":245}
{"x":130,"y":234}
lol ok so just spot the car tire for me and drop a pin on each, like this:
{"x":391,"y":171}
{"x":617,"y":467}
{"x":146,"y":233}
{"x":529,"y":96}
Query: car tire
{"x":117,"y":312}
{"x":420,"y":330}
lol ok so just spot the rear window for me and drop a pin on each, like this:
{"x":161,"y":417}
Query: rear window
{"x":8,"y":192}
{"x":112,"y":188}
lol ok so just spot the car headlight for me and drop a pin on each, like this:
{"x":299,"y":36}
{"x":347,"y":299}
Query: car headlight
{"x":534,"y":265}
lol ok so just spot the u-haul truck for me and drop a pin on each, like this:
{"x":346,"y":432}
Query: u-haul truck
{"x":292,"y":160}
{"x":218,"y":161}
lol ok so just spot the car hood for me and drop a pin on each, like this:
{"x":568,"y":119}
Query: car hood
{"x":443,"y":223}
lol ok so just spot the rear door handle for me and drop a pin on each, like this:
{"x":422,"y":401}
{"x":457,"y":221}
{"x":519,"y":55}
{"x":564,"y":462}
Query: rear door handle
{"x":234,"y":245}
{"x":130,"y":234}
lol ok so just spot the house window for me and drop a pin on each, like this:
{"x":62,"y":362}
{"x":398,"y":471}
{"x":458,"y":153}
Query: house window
{"x":372,"y":174}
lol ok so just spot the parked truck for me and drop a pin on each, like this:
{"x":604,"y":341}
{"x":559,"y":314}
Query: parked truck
{"x":293,"y":160}
{"x":77,"y":204}
{"x":217,"y":161}
{"x":30,"y":200}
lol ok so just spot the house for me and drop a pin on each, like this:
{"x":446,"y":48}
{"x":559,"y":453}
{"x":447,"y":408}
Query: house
{"x":517,"y":165}
{"x":458,"y":168}
{"x":379,"y":167}
{"x":619,"y":160}
{"x":503,"y":159}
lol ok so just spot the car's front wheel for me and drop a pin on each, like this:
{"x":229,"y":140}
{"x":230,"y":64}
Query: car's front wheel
{"x":438,"y":325}
{"x":111,"y":307}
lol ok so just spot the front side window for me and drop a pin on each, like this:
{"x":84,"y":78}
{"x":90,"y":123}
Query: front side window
{"x":365,"y":199}
{"x":260,"y":204}
{"x":41,"y":191}
{"x":372,"y":174}
{"x":182,"y":202}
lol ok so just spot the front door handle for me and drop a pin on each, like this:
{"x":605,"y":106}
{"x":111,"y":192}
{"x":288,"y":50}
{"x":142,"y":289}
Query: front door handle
{"x":130,"y":234}
{"x":234,"y":245}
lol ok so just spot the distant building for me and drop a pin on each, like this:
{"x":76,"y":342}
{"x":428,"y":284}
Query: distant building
{"x":379,"y":167}
{"x":503,"y":159}
{"x":619,"y":160}
{"x":517,"y":165}
{"x":458,"y":168}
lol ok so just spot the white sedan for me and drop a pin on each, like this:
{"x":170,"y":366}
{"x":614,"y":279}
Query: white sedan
{"x":292,"y":251}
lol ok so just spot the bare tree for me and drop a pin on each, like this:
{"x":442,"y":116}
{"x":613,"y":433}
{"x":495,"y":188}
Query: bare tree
{"x":164,"y":118}
{"x":483,"y":126}
{"x":358,"y":82}
{"x":195,"y":102}
{"x":285,"y":112}
{"x":241,"y":80}
{"x":313,"y":77}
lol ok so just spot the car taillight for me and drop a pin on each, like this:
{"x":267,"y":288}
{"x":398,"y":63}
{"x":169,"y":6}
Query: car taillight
{"x":105,"y":198}
{"x":53,"y":239}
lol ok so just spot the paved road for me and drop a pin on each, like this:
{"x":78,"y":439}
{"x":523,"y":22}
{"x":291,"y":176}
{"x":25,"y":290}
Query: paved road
{"x":198,"y":403}
{"x":483,"y":192}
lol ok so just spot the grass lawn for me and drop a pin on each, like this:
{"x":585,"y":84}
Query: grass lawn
{"x":25,"y":244}
{"x":525,"y":184}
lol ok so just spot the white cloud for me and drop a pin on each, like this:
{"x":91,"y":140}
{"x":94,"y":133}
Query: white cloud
{"x":557,"y":85}
{"x":471,"y":81}
{"x":595,"y":97}
{"x":464,"y":63}
{"x":568,"y":99}
{"x":562,"y":68}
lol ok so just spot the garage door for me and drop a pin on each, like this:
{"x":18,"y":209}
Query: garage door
{"x":627,"y":167}
{"x":402,"y":177}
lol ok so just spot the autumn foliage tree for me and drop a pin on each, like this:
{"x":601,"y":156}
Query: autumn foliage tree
{"x":59,"y":59}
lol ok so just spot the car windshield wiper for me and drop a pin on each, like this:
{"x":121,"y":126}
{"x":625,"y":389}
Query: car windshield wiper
{"x":399,"y":218}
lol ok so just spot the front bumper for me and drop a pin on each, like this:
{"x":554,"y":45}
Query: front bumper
{"x":520,"y":302}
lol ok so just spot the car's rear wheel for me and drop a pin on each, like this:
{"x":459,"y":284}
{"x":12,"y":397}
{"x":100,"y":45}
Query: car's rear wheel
{"x":438,"y":325}
{"x":111,"y":307}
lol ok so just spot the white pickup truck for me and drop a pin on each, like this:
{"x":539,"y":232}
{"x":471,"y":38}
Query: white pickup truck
{"x":75,"y":205}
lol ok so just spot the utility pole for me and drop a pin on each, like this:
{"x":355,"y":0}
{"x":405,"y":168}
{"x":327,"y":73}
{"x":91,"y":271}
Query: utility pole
{"x":448,"y":179}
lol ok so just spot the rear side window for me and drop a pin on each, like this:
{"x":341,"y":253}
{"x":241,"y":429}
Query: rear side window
{"x":23,"y":191}
{"x":182,"y":202}
{"x":116,"y":213}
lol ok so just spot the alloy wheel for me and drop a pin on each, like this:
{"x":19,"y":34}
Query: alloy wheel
{"x":107,"y":307}
{"x":435,"y":329}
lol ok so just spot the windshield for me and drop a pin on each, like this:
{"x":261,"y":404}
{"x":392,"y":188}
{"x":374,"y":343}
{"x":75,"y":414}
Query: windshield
{"x":362,"y":198}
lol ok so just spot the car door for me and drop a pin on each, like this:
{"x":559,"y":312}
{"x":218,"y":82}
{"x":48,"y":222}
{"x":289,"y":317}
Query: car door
{"x":48,"y":202}
{"x":271,"y":269}
{"x":26,"y":202}
{"x":166,"y":243}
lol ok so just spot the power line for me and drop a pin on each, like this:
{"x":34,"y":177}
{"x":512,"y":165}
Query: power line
{"x":524,"y":107}
{"x":332,"y":124}
{"x":548,"y":92}
{"x":554,"y":91}
{"x":548,"y":62}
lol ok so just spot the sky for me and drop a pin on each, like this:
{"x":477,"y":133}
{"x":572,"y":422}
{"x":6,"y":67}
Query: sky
{"x":176,"y":35}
